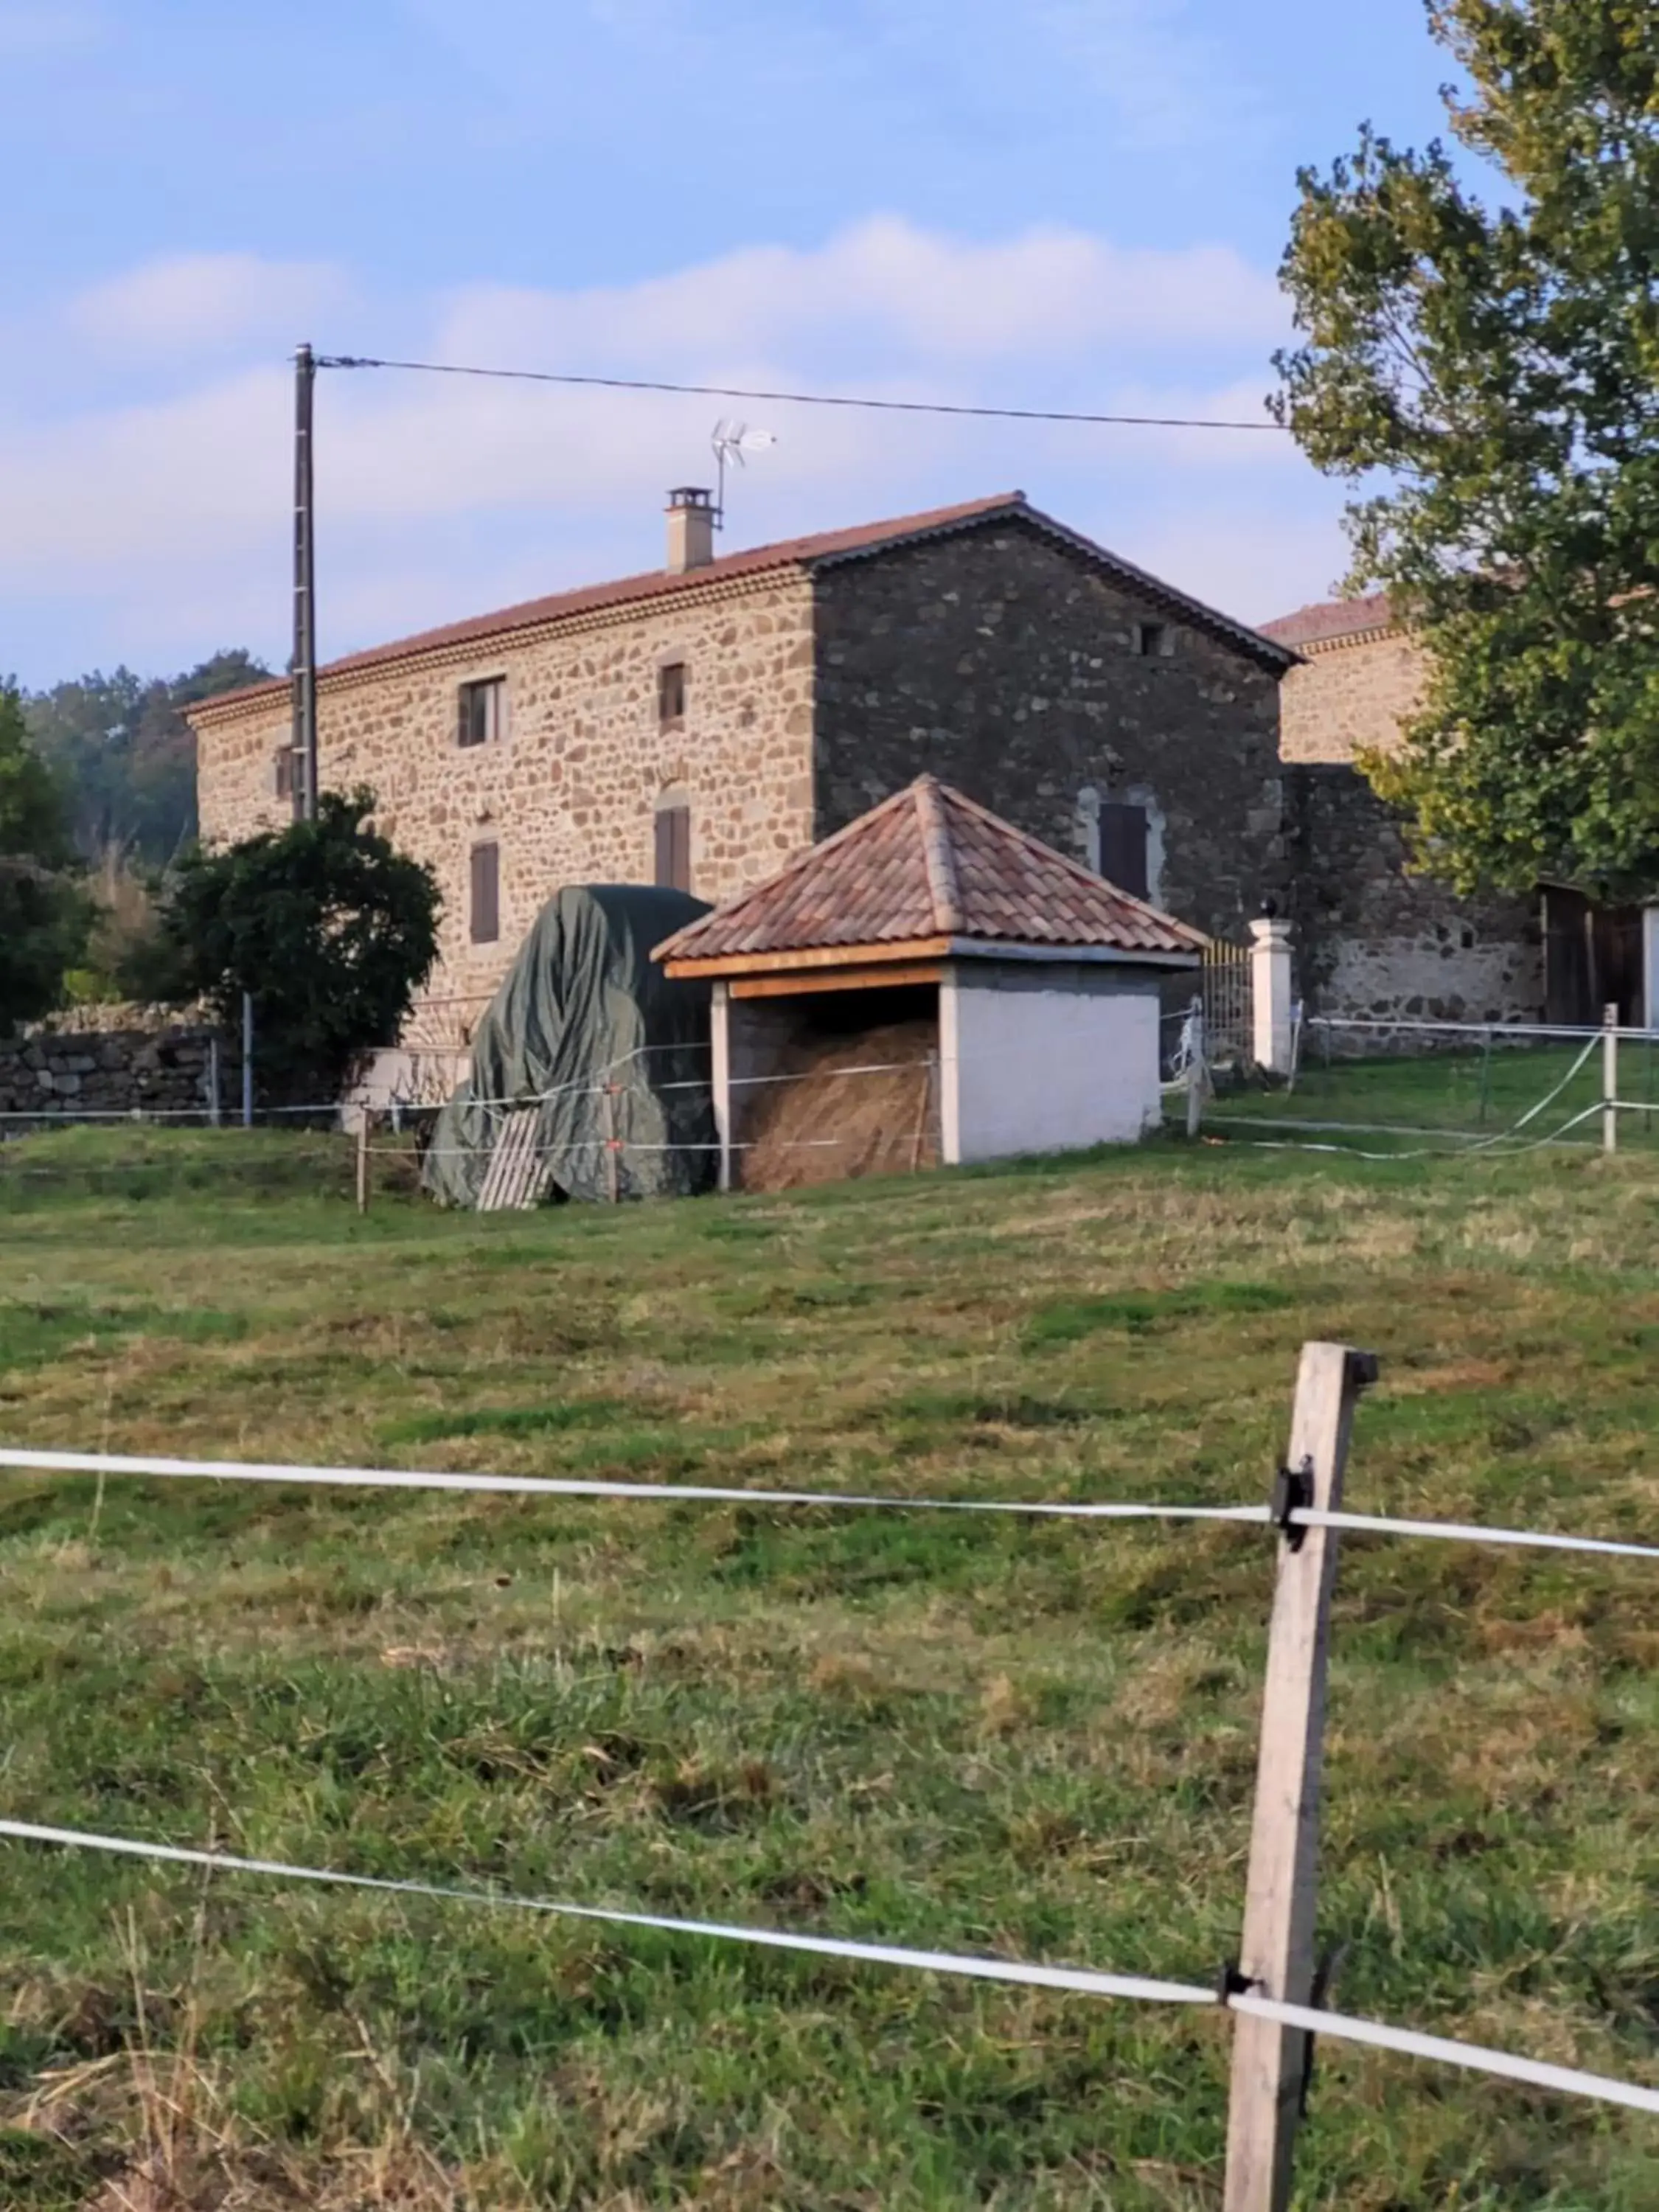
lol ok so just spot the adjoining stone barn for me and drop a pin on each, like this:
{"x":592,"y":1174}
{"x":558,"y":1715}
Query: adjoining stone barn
{"x":1375,"y":939}
{"x":1011,"y":990}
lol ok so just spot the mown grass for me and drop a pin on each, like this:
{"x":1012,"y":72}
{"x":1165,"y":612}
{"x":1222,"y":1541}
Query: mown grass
{"x":944,"y":1731}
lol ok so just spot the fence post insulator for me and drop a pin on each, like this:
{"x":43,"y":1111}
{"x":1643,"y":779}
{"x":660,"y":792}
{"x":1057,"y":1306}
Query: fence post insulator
{"x":1293,"y":1492}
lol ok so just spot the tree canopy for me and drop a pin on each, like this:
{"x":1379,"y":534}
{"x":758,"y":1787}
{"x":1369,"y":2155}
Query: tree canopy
{"x":1486,"y":378}
{"x":121,"y":746}
{"x":324,"y":924}
{"x":45,"y":913}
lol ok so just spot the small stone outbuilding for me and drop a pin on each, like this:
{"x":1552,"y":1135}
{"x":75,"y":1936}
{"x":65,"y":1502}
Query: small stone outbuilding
{"x":1021,"y":989}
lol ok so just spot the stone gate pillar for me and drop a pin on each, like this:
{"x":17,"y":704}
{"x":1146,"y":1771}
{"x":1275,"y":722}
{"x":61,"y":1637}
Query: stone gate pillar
{"x":1270,"y":993}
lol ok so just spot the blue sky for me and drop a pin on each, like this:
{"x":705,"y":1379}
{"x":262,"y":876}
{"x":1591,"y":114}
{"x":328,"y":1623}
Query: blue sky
{"x":1077,"y":203}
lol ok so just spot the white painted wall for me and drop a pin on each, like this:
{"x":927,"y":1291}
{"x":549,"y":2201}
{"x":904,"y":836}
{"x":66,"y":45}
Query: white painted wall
{"x":399,"y":1075}
{"x":1031,"y":1063}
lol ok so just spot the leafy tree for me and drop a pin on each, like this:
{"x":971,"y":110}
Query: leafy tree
{"x":121,"y":745}
{"x":44,"y":912}
{"x":329,"y":928}
{"x":1498,"y":365}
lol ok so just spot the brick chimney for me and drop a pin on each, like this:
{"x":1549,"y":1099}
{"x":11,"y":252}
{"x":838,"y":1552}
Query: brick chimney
{"x":690,"y":529}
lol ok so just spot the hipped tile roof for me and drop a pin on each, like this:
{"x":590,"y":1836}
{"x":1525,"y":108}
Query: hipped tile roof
{"x":926,"y":864}
{"x":824,"y":549}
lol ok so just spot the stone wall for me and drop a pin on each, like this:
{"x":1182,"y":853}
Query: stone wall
{"x":1351,"y":695}
{"x":570,"y":793}
{"x":117,"y":1071}
{"x":1007,"y":666}
{"x":1374,"y":941}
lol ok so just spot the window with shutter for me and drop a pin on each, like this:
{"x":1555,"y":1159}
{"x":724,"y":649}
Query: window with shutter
{"x":486,"y":900}
{"x":670,"y":694}
{"x":674,"y":848}
{"x":1123,"y":845}
{"x":284,"y":771}
{"x":481,"y":712}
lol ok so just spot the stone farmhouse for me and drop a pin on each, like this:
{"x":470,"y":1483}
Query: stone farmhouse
{"x":699,"y":724}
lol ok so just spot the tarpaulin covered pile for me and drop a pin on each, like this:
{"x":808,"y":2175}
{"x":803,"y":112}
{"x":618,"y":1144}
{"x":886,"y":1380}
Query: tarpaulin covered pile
{"x":611,"y":1054}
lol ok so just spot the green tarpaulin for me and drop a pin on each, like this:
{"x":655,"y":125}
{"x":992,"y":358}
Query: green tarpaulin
{"x":611,"y":1054}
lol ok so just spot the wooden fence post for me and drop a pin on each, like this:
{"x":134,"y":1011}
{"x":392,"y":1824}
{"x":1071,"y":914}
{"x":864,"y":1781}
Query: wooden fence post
{"x":1198,"y":1069}
{"x":1609,"y":1078}
{"x":612,"y":1144}
{"x":1276,"y":1952}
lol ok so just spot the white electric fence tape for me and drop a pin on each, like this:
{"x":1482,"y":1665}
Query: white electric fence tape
{"x":1079,"y":1980}
{"x":537,"y":1485}
{"x":692,"y":1493}
{"x":1382,"y":1524}
{"x":1535,"y":2071}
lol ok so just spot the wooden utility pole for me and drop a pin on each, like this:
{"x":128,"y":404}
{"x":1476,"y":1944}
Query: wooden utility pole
{"x":1276,"y":1957}
{"x":303,"y":667}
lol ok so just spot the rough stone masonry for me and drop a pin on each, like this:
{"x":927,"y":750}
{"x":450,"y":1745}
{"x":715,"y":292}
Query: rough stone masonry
{"x":157,"y":1065}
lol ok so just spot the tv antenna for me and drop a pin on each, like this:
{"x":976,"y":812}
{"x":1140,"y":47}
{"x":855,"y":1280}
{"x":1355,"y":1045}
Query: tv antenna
{"x":732,"y":442}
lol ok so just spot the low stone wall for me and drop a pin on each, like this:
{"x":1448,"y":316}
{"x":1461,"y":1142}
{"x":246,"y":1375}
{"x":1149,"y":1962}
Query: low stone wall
{"x":93,"y":1073}
{"x":1374,"y":941}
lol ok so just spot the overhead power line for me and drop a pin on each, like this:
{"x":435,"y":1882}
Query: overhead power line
{"x":801,"y":398}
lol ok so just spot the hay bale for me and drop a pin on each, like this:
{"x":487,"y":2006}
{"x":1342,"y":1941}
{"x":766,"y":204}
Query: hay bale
{"x":831,"y":1122}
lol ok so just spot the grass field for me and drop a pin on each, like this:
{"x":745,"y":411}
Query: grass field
{"x":1036,"y":1738}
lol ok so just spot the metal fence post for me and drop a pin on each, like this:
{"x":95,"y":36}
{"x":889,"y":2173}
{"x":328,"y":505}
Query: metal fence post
{"x":1276,"y":1952}
{"x":247,"y":1060}
{"x":1609,"y":1078}
{"x":215,"y":1100}
{"x":362,"y":1160}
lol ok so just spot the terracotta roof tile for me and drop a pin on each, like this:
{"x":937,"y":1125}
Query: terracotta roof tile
{"x":930,"y":863}
{"x":1332,"y":619}
{"x":820,"y":550}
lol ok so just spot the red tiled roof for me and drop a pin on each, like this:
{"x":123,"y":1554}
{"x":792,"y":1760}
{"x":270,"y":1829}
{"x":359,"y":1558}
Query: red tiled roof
{"x":820,"y":550}
{"x":1332,"y":619}
{"x":929,"y":863}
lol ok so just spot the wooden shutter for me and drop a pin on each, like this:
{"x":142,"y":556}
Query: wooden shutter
{"x":674,"y":848}
{"x":671,"y":693}
{"x":1123,"y":847}
{"x":486,"y":894}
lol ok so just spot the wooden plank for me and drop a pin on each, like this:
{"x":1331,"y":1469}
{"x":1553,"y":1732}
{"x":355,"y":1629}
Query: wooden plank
{"x":817,"y":955}
{"x":837,"y":979}
{"x":517,"y":1173}
{"x":1277,"y":1951}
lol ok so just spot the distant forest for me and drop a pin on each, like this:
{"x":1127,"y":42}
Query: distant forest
{"x":125,"y":755}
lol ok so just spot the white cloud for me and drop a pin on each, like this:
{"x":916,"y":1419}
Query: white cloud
{"x":1046,"y":294}
{"x":190,"y":304}
{"x":166,"y":522}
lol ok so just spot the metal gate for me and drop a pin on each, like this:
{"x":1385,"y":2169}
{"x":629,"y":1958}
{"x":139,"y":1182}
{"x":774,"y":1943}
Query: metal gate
{"x":1229,"y":1007}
